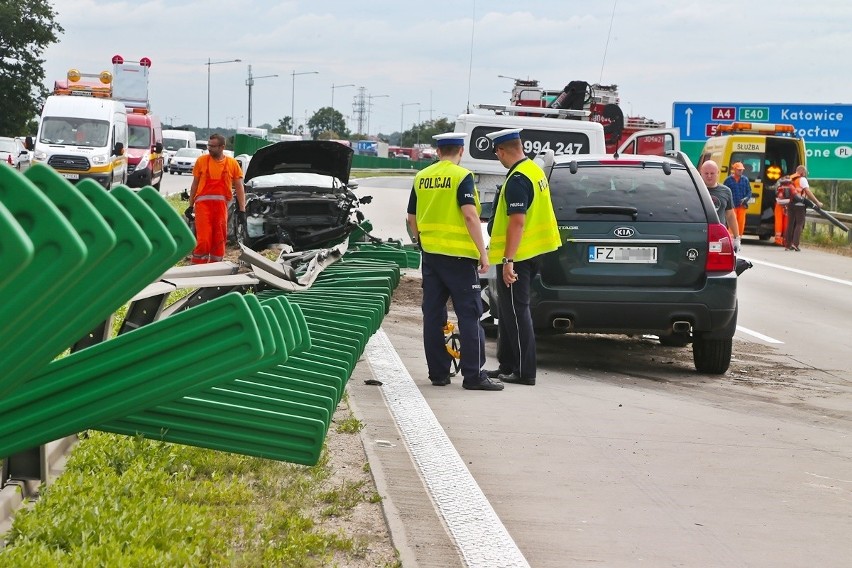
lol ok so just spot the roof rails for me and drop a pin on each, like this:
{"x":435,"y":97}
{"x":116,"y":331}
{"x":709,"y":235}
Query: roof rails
{"x":516,"y":109}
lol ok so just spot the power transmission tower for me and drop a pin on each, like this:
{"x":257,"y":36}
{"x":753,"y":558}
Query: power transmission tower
{"x":359,"y":108}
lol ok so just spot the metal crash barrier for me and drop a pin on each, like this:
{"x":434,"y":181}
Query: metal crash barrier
{"x":252,"y":373}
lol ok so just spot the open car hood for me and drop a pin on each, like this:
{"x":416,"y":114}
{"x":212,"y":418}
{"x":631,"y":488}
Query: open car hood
{"x":316,"y":156}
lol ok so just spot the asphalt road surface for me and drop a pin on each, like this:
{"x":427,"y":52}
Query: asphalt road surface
{"x":622,"y":455}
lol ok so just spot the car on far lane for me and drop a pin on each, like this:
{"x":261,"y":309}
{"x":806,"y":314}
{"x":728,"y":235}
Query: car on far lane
{"x":14,"y":153}
{"x":184,"y":160}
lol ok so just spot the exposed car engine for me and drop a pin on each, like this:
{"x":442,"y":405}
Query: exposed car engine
{"x":298,"y":193}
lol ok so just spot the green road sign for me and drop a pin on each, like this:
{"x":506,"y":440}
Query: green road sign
{"x":752,"y":114}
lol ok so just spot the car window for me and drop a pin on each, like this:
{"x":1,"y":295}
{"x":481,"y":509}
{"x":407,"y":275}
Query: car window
{"x":188,"y":153}
{"x":139,"y":137}
{"x":655,"y":195}
{"x":294,"y":180}
{"x":75,"y":131}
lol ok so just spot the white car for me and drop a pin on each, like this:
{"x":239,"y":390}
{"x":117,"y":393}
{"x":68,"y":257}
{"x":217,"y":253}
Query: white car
{"x":184,"y":160}
{"x":14,"y":153}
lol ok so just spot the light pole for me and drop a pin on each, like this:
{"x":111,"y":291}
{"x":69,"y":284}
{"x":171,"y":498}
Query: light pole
{"x":333,"y":86}
{"x":370,"y":107}
{"x":401,"y":115}
{"x":172,"y":120}
{"x":208,"y":64}
{"x":250,"y":84}
{"x":293,"y":97}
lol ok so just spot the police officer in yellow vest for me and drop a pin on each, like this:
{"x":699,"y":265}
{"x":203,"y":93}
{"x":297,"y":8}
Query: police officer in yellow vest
{"x":443,"y":215}
{"x":524,"y":228}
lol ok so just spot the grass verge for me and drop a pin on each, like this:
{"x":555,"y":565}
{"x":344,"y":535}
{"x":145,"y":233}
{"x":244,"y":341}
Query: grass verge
{"x":125,"y":501}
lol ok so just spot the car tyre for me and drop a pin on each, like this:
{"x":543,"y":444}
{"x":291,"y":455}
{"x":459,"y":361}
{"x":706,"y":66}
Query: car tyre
{"x":712,"y":356}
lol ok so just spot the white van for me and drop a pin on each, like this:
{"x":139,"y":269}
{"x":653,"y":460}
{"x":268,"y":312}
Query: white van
{"x":84,"y":137}
{"x":539,"y":134}
{"x":174,"y":140}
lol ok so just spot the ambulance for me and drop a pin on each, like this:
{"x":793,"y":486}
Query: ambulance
{"x":768,"y":152}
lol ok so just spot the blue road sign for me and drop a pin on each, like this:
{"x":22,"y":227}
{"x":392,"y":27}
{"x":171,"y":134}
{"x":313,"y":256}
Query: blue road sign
{"x":826,"y":129}
{"x":813,"y":122}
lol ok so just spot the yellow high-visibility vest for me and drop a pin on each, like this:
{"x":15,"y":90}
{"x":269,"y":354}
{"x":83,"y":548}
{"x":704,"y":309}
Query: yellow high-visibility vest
{"x":439,"y":217}
{"x":541,"y":233}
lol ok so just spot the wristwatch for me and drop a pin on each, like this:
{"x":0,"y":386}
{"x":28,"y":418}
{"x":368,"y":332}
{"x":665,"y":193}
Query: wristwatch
{"x":507,"y":260}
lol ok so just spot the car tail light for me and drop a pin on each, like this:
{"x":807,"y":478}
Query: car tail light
{"x":720,"y":249}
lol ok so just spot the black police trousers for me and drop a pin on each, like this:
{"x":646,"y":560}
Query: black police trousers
{"x":446,"y":277}
{"x":516,"y":339}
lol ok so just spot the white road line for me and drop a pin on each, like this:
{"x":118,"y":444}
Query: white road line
{"x":765,"y":338}
{"x":477,"y":530}
{"x":803,"y":272}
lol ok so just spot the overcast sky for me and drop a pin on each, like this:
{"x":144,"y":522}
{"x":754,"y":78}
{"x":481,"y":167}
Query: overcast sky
{"x":448,"y":54}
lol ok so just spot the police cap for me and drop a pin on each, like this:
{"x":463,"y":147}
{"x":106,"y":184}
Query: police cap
{"x":505,"y":135}
{"x":450,"y":139}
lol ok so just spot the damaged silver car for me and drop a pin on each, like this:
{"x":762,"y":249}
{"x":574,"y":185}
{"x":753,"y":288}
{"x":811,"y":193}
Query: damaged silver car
{"x":298,"y":193}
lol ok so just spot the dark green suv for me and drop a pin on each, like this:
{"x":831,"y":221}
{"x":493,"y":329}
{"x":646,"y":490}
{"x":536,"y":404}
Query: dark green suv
{"x":643,"y":253}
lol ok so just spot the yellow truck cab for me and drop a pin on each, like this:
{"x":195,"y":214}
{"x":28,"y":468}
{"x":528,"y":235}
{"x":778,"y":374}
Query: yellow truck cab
{"x":768,"y":152}
{"x":83,"y":132}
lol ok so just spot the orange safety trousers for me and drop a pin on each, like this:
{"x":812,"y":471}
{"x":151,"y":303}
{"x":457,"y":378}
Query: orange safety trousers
{"x":780,"y":224}
{"x":211,"y":232}
{"x":740,"y":212}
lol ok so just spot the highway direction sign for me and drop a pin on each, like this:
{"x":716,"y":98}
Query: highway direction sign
{"x":827,"y":129}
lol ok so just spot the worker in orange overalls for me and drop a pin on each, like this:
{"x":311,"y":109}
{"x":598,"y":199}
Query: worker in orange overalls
{"x":773,"y":174}
{"x":782,"y":200}
{"x":214,"y":175}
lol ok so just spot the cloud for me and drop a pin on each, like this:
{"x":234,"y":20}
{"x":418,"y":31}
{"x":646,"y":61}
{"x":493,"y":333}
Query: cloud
{"x":658,"y":51}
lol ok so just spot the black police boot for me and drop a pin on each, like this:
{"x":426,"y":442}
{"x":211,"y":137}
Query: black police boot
{"x":514,"y":378}
{"x":484,"y":384}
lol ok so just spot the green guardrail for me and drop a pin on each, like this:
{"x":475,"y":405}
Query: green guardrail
{"x":254,"y":374}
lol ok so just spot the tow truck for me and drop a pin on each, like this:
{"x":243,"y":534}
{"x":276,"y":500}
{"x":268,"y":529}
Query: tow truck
{"x":768,"y":152}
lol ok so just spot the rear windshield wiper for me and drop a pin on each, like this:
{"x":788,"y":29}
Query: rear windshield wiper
{"x":613,"y":209}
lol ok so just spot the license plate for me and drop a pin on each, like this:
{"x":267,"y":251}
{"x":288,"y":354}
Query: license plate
{"x":623,"y":255}
{"x":71,"y":176}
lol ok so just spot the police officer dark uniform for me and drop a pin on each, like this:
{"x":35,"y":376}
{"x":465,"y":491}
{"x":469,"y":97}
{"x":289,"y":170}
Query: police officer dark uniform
{"x":443,"y":215}
{"x":524,"y":228}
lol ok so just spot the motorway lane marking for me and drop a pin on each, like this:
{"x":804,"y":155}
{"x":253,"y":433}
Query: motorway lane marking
{"x":765,"y":338}
{"x":474,"y":525}
{"x":803,"y":272}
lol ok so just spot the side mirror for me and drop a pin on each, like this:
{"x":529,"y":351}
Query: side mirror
{"x":158,"y":148}
{"x":24,"y":153}
{"x":366,"y":199}
{"x":352,"y":185}
{"x":118,"y":150}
